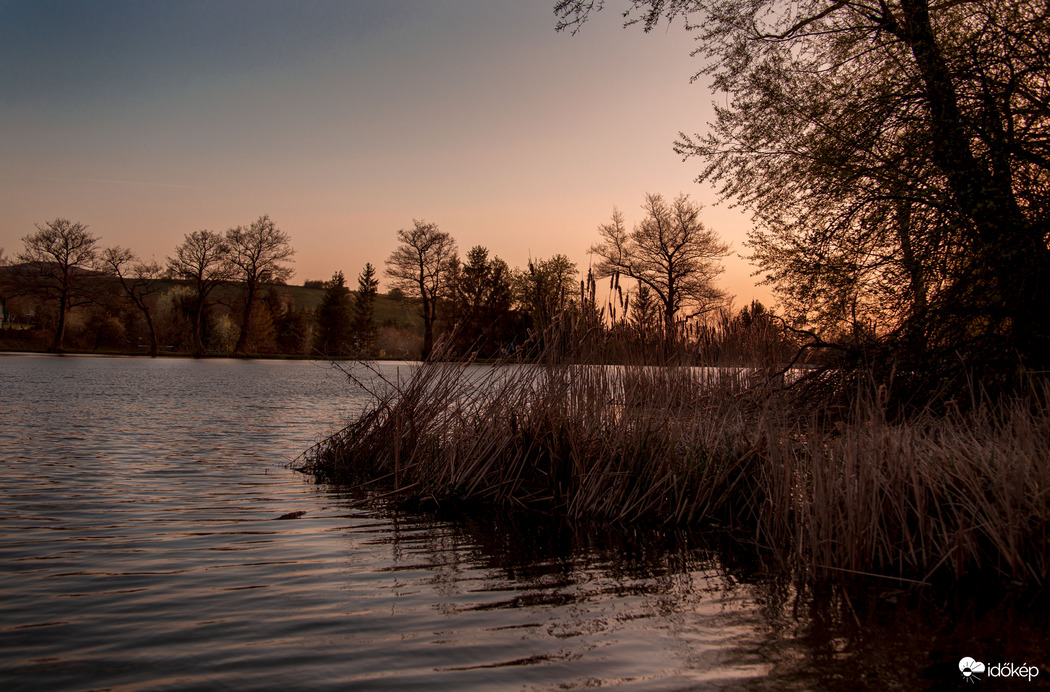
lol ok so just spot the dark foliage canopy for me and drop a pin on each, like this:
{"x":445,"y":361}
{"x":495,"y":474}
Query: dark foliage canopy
{"x":334,"y":318}
{"x":896,"y":156}
{"x":364,"y":327}
{"x":478,"y":299}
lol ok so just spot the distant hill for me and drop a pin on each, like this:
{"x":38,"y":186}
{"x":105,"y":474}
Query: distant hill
{"x":389,"y":310}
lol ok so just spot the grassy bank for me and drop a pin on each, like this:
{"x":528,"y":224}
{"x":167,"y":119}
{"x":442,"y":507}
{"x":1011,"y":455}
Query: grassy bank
{"x":820,"y":496}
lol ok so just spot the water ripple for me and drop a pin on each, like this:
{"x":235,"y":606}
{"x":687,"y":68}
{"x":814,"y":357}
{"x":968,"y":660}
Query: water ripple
{"x":152,"y":537}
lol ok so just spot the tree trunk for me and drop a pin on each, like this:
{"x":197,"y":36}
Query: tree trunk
{"x":60,"y":330}
{"x":1007,"y":249}
{"x":246,"y":323}
{"x":428,"y":328}
{"x":916,"y":321}
{"x":198,"y":332}
{"x":154,"y":347}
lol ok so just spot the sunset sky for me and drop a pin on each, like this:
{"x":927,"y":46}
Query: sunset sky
{"x":344,"y":120}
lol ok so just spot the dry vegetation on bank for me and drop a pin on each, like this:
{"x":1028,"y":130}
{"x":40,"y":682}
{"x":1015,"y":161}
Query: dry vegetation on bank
{"x":931,"y":497}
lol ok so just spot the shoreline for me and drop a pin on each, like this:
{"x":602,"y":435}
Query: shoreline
{"x":183,"y":354}
{"x":825,"y":496}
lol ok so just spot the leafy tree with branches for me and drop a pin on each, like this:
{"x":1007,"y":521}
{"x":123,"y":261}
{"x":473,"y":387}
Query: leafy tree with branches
{"x":896,"y":157}
{"x":479,"y":300}
{"x":546,"y":288}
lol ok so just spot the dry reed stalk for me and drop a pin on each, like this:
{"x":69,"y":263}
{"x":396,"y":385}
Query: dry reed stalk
{"x":951,"y":494}
{"x":911,"y":500}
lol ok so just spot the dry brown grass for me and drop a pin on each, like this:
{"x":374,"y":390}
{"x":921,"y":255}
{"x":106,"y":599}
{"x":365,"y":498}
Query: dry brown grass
{"x":947,"y":494}
{"x":932,"y":497}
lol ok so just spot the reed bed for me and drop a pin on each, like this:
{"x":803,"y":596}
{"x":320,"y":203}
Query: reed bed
{"x":930,"y":498}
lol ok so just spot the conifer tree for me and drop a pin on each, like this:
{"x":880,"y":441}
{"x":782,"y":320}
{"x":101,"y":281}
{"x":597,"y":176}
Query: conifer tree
{"x":364,"y":323}
{"x":334,"y":318}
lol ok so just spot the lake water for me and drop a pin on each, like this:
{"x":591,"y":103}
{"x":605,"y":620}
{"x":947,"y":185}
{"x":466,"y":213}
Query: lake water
{"x":152,"y":536}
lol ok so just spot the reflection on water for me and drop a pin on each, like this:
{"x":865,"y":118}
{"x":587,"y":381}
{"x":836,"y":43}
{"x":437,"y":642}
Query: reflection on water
{"x":152,"y":537}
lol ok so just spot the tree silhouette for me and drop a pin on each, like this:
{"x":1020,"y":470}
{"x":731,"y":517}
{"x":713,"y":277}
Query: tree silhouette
{"x":418,"y":266}
{"x":55,"y":264}
{"x":670,"y":252}
{"x":364,"y":321}
{"x":334,"y":317}
{"x":202,"y":260}
{"x":139,"y":279}
{"x":479,"y":299}
{"x":257,"y":254}
{"x":896,"y":160}
{"x":545,"y":289}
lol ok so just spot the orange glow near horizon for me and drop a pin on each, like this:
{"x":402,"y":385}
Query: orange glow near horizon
{"x":353,"y":121}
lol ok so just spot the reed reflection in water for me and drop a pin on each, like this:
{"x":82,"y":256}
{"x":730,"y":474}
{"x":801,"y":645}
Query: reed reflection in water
{"x":152,"y":537}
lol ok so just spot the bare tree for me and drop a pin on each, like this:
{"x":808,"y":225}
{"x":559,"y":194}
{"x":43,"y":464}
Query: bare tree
{"x":202,"y":260}
{"x":258,"y":254}
{"x":417,"y":267}
{"x":139,"y":279}
{"x":671,"y":252}
{"x":54,"y":265}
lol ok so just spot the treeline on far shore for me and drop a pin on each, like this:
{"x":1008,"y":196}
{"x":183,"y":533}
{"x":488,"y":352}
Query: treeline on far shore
{"x":223,"y":294}
{"x":316,"y":320}
{"x":285,"y":324}
{"x":215,"y":294}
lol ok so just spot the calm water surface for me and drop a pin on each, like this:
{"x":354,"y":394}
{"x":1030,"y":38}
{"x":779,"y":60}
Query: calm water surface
{"x":153,"y":537}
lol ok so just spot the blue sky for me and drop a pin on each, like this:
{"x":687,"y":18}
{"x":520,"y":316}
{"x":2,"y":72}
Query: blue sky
{"x":343,"y":121}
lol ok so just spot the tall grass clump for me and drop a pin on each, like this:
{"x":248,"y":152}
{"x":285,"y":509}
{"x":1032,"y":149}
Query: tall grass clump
{"x":934,"y":496}
{"x":620,"y":443}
